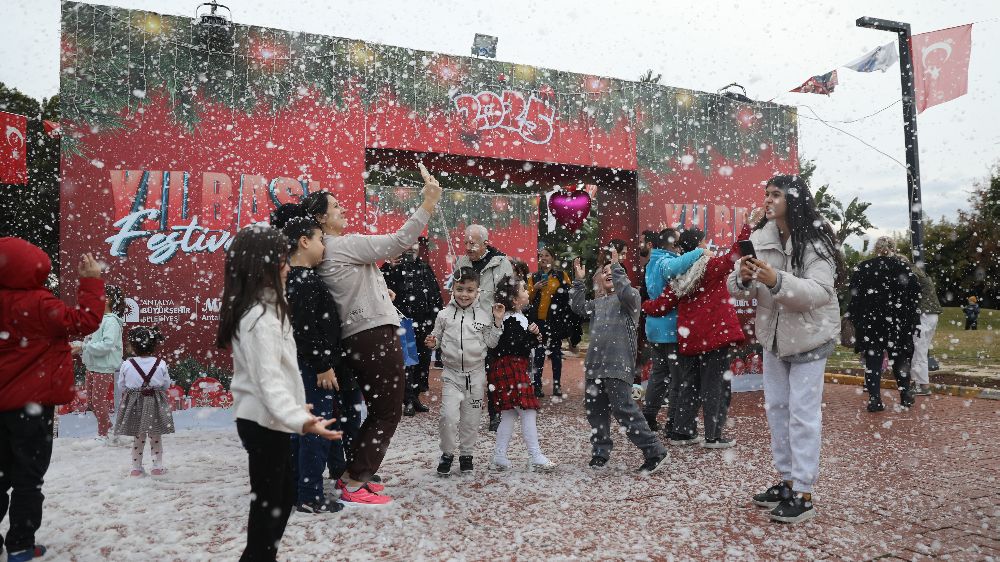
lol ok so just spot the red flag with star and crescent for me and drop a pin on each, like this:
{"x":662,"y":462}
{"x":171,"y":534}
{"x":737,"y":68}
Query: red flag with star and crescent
{"x":13,"y":148}
{"x":941,"y":65}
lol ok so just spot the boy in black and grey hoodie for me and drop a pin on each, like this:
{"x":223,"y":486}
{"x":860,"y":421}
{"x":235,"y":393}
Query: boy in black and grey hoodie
{"x":463,"y":331}
{"x":610,"y":362}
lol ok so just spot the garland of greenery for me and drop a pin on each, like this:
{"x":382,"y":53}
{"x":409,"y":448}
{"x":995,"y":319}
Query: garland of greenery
{"x":115,"y":60}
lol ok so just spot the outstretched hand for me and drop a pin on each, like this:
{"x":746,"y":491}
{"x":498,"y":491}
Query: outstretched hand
{"x":578,"y":270}
{"x":89,"y":266}
{"x":319,"y":426}
{"x":432,"y":189}
{"x":755,"y":215}
{"x":498,"y":311}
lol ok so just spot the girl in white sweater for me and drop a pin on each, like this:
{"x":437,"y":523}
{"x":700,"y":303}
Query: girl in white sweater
{"x":268,"y":396}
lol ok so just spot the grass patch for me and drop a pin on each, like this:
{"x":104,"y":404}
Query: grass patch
{"x":955,"y":348}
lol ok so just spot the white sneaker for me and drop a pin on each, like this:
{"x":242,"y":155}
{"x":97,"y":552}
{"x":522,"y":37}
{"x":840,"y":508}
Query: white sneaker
{"x":541,"y":465}
{"x":500,"y":464}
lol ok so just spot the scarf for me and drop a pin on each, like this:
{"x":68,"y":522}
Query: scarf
{"x":690,"y":280}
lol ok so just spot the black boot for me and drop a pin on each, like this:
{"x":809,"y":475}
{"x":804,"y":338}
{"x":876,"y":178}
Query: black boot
{"x":418,"y":405}
{"x":444,"y":467}
{"x":538,"y":391}
{"x":557,"y":391}
{"x":408,"y":409}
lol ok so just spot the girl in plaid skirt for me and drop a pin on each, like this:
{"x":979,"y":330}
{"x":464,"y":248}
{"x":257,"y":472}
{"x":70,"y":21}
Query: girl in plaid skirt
{"x":513,"y":394}
{"x":145,"y":410}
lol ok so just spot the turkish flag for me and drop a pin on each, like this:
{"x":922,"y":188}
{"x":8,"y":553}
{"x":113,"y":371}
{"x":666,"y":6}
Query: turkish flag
{"x":13,"y":148}
{"x":941,"y":65}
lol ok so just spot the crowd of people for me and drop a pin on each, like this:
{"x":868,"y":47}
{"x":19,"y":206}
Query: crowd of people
{"x":312,"y":316}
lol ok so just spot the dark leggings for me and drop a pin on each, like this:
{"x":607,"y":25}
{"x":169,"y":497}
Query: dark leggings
{"x":376,"y":359}
{"x":272,"y":488}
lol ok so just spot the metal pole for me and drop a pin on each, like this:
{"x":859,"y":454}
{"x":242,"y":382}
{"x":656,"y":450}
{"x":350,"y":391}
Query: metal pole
{"x":902,"y":30}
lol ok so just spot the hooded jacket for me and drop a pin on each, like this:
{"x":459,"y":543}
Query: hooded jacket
{"x":35,"y":327}
{"x":464,"y":335}
{"x":885,"y":305}
{"x":706,"y":319}
{"x":663,"y":266}
{"x":800,"y":313}
{"x":102,"y":350}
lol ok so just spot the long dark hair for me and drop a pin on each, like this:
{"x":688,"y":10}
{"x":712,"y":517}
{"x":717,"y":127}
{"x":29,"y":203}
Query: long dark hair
{"x":116,"y":299}
{"x":806,"y":225}
{"x":253,"y":264}
{"x":507,"y":289}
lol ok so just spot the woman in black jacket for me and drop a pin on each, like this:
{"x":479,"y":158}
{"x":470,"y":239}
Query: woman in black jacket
{"x":884,"y":309}
{"x":418,"y":296}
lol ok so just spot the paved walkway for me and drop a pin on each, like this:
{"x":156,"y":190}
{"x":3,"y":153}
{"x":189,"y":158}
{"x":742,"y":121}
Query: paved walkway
{"x":911,"y":485}
{"x":900,"y":484}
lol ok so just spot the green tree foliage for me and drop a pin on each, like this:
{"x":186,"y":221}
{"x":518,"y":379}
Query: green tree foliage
{"x":962,"y":256}
{"x":847,"y":221}
{"x":31,"y":211}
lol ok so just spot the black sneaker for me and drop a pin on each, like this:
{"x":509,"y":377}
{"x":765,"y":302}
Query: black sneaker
{"x":720,"y":443}
{"x":444,"y":467}
{"x":651,"y":422}
{"x":651,"y":465}
{"x":409,"y":410}
{"x":906,"y":398}
{"x":418,"y":405}
{"x":494,"y":423}
{"x":793,"y":510}
{"x":680,"y":439}
{"x":875,"y":405}
{"x":772,"y":496}
{"x":597,"y":462}
{"x":557,"y":391}
{"x":319,"y":507}
{"x":539,"y":393}
{"x":465,"y":463}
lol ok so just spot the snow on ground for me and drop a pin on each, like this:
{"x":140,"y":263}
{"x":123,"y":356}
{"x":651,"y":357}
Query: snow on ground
{"x":697,"y":508}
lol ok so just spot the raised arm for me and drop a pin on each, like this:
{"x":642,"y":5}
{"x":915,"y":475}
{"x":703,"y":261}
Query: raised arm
{"x":628,"y":295}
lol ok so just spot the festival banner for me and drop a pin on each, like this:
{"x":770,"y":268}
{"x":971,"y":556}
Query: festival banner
{"x":176,"y":134}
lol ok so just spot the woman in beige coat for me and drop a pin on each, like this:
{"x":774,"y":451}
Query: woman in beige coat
{"x":793,"y":278}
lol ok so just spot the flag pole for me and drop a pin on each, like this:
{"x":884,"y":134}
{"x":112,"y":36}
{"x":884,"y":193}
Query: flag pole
{"x":909,"y":130}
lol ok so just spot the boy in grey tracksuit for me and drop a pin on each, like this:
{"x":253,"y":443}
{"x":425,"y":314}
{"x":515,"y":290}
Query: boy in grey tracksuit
{"x":610,"y":362}
{"x":463,"y":331}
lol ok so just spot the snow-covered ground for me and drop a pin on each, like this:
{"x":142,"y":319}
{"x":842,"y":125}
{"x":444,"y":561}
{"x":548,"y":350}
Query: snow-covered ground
{"x":697,"y":508}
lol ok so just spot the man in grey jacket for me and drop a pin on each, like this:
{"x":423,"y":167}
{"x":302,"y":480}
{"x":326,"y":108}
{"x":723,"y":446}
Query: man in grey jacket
{"x":614,"y":319}
{"x":492,"y":265}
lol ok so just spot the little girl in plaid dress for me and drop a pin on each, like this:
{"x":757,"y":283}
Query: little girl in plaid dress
{"x":513,"y":394}
{"x":145,"y":409}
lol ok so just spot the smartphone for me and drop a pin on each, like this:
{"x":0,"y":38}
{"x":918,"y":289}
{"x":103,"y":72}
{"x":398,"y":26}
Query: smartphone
{"x":746,"y":249}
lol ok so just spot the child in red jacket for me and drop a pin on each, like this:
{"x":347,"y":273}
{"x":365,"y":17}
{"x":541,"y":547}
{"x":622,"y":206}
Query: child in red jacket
{"x":36,"y":374}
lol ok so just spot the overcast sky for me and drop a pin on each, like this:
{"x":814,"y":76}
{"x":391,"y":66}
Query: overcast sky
{"x":767,"y":46}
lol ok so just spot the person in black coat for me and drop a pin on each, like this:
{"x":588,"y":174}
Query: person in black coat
{"x":418,"y":296}
{"x":884,"y":308}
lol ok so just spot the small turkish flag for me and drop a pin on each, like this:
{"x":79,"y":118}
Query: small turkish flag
{"x":941,"y":65}
{"x":13,"y":148}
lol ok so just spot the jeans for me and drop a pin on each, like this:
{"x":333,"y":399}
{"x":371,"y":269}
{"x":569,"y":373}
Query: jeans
{"x":311,"y":452}
{"x":554,"y":350}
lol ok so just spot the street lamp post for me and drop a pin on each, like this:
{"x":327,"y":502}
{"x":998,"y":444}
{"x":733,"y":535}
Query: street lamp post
{"x":909,"y":130}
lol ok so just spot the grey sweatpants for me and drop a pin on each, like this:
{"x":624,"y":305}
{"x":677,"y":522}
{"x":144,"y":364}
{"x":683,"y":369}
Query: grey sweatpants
{"x":703,"y":383}
{"x":614,"y":396}
{"x":461,"y":409}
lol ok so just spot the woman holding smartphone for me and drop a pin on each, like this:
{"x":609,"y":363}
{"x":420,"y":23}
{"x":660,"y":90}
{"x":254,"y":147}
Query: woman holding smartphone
{"x":794,"y":276}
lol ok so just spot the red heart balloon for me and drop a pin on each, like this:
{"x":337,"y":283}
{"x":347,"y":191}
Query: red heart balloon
{"x":570,"y":208}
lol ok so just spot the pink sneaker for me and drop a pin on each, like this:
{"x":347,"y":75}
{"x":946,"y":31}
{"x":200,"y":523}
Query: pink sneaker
{"x":158,"y":471}
{"x":137,"y":472}
{"x":373,"y":487}
{"x":363,"y":496}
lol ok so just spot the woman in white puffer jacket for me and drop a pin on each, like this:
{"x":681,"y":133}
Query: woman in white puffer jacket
{"x":793,"y":279}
